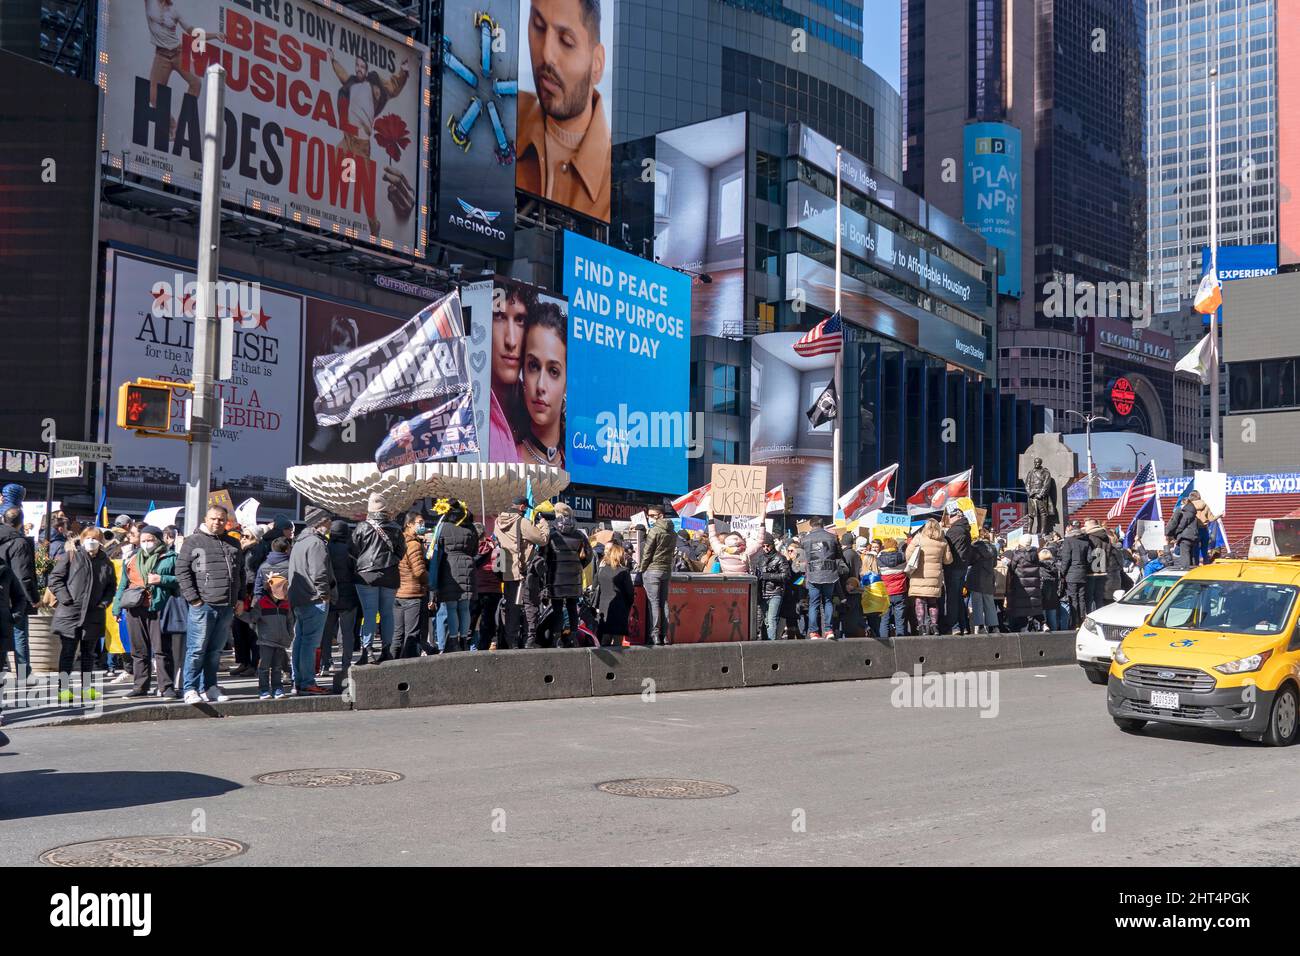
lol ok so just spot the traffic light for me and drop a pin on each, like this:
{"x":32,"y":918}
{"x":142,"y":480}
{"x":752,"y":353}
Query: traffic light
{"x":146,"y":408}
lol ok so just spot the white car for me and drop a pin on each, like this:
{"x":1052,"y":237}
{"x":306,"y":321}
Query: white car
{"x":1104,"y":628}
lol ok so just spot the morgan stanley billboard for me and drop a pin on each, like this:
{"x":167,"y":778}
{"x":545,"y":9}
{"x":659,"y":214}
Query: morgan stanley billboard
{"x":324,"y":111}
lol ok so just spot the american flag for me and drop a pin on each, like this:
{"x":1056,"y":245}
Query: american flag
{"x":826,"y":338}
{"x":1141,"y":490}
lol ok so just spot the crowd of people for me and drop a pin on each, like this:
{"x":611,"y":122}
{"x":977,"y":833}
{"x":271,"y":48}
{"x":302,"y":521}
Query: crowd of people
{"x":300,"y":601}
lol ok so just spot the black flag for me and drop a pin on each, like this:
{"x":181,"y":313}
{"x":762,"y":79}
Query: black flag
{"x":826,"y":407}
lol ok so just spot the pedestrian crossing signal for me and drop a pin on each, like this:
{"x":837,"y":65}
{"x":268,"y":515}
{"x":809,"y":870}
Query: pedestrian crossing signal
{"x":146,"y":408}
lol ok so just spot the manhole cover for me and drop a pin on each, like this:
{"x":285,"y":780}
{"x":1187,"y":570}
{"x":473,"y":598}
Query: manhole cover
{"x":666,"y":788}
{"x":331,"y":777}
{"x":144,"y":851}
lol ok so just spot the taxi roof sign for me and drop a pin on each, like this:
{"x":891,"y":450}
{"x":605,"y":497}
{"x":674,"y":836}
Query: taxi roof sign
{"x":1275,"y":538}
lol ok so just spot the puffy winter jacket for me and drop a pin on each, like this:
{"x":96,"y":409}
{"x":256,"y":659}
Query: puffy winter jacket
{"x":1024,"y":584}
{"x":957,"y":535}
{"x":1051,"y":585}
{"x":660,"y":547}
{"x":19,"y":553}
{"x":459,"y":546}
{"x":891,"y":562}
{"x":345,"y":566}
{"x":982,"y":578}
{"x":731,"y":562}
{"x":378,"y":548}
{"x":210,"y":569}
{"x":413,"y":568}
{"x":311,"y":573}
{"x":1183,"y":526}
{"x":927,"y":582}
{"x":567,"y":553}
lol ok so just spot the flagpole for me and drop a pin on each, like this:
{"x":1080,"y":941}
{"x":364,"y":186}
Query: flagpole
{"x":1214,"y":269}
{"x":839,"y":367}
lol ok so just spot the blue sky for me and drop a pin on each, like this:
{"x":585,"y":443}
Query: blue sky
{"x":880,"y":40}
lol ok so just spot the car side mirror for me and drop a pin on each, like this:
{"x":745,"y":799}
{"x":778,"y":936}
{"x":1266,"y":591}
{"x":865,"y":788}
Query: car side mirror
{"x":1117,"y":594}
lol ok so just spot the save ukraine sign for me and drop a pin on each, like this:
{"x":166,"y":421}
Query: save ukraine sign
{"x":628,"y":396}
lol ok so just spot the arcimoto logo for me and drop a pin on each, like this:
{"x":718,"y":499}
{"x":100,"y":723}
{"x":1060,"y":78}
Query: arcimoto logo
{"x":75,"y":909}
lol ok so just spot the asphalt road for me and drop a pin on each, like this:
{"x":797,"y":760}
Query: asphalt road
{"x":872,"y":783}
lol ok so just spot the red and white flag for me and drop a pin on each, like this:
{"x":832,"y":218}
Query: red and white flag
{"x":933,"y":495}
{"x":775,"y":500}
{"x":870,"y":495}
{"x":693,"y":502}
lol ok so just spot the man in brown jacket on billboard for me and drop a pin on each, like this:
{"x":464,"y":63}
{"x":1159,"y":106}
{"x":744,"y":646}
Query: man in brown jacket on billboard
{"x":517,"y":537}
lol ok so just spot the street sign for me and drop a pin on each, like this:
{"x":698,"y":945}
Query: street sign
{"x":65,"y":468}
{"x":85,"y":450}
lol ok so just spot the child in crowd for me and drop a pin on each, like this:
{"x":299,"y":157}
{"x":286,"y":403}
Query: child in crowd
{"x":274,"y":620}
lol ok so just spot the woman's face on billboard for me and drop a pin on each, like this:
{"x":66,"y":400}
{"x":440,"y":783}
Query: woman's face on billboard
{"x":507,"y":343}
{"x":545,"y":376}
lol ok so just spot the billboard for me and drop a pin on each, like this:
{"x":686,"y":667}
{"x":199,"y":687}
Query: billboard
{"x":699,"y":218}
{"x":530,"y":361}
{"x":1288,"y":133}
{"x":1241,"y":262}
{"x":797,"y":454}
{"x":479,"y":60}
{"x":991,"y":194}
{"x":324,"y":111}
{"x":629,"y":422}
{"x":148,"y":333}
{"x":48,"y":181}
{"x":566,"y":89}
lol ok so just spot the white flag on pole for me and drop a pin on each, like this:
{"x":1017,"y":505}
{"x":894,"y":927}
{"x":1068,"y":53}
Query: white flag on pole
{"x":1197,"y":361}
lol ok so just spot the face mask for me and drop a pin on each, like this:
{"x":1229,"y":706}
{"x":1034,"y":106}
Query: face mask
{"x":91,"y":545}
{"x":149,"y":548}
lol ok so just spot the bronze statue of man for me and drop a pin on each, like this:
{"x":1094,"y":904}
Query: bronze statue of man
{"x":1041,"y":488}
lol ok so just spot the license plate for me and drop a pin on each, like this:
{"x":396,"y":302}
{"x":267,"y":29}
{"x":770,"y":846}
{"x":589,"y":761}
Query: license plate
{"x":1164,"y":700}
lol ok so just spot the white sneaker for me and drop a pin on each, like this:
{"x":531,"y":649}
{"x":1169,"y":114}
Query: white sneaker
{"x":215,"y":694}
{"x":122,"y":678}
{"x":192,"y":697}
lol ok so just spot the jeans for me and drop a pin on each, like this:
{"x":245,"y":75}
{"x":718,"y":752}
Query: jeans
{"x":22,"y":653}
{"x":656,"y":585}
{"x":772,"y":618}
{"x":376,"y":600}
{"x":271,"y":664}
{"x":452,"y":621}
{"x":983,"y":610}
{"x":897,"y":615}
{"x":820,"y":608}
{"x":204,"y":641}
{"x":1057,"y":619}
{"x":308,"y":626}
{"x":1076,"y":592}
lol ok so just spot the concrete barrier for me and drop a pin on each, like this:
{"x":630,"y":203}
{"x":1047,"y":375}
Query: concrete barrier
{"x":471,"y":678}
{"x":625,"y":670}
{"x":971,"y":652}
{"x":205,"y":710}
{"x":1045,"y":648}
{"x":809,"y":662}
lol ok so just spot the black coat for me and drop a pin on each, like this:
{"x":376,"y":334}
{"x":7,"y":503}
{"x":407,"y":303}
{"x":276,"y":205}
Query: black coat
{"x":773,"y":572}
{"x":459,"y":546}
{"x":210,"y":568}
{"x":345,"y":566}
{"x":958,"y":535}
{"x":984,"y":558}
{"x":614,"y":595}
{"x":84,"y":587}
{"x":1024,"y":584}
{"x":1183,"y":526}
{"x":1074,"y":566}
{"x":1051,"y":585}
{"x":18,"y":551}
{"x":1106,"y":561}
{"x":566,"y":553}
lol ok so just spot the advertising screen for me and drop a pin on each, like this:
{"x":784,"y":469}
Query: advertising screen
{"x":783,"y":384}
{"x":628,"y":419}
{"x":1288,"y":133}
{"x":48,"y":182}
{"x":566,"y":88}
{"x":699,"y":218}
{"x":479,"y":60}
{"x":324,"y":112}
{"x":991,"y":203}
{"x":1241,"y":262}
{"x":531,"y":361}
{"x":148,"y":330}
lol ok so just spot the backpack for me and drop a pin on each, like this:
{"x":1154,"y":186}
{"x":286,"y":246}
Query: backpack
{"x":277,"y":585}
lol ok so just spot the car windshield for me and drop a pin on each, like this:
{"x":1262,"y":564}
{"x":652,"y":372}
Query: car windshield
{"x":1150,"y":591}
{"x":1238,"y":607}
